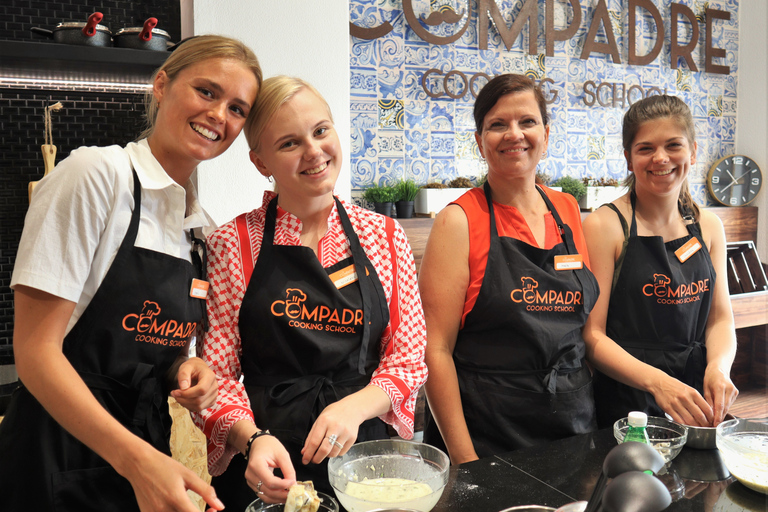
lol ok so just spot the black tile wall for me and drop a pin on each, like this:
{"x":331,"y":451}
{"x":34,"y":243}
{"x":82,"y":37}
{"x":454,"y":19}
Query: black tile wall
{"x":18,"y":16}
{"x":87,"y":119}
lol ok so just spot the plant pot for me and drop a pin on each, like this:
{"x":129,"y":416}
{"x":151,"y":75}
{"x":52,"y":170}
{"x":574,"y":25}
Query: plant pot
{"x":598,"y":196}
{"x":383,"y":208}
{"x":404,"y":209}
{"x":432,"y":200}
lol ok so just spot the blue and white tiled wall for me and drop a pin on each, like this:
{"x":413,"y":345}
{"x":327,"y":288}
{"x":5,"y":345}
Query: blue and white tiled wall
{"x":398,"y":131}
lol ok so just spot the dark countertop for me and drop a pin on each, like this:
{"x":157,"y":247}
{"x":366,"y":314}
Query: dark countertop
{"x":565,"y":471}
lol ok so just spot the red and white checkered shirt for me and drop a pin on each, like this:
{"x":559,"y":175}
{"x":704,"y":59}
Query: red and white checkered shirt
{"x":401,"y":371}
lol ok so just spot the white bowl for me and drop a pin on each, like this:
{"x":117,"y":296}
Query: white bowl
{"x":393,"y":474}
{"x":743,"y":444}
{"x":667,"y":437}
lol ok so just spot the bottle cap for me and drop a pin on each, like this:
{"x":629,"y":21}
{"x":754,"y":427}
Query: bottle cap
{"x":637,"y":419}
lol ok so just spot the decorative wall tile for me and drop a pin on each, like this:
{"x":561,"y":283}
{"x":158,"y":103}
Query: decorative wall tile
{"x":437,"y":128}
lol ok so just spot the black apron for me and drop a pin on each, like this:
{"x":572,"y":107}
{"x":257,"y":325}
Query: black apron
{"x":520,"y":355}
{"x":123,"y":347}
{"x":305,"y":345}
{"x":658,"y":314}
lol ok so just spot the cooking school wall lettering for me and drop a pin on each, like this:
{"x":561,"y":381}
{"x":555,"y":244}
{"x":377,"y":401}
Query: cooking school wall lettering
{"x":673,"y":295}
{"x":488,"y":13}
{"x":560,"y":301}
{"x":319,"y":318}
{"x":149,"y":328}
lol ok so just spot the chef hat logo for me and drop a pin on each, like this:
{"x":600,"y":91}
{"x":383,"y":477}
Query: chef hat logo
{"x":529,"y":283}
{"x":150,"y":309}
{"x":294,"y":295}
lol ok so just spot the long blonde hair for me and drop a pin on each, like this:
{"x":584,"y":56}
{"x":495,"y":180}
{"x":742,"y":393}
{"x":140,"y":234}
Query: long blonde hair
{"x":191,"y":51}
{"x":657,"y":107}
{"x":274,"y":92}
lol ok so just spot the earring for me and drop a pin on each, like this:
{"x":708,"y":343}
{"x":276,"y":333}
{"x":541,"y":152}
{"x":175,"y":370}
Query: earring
{"x":269,"y":178}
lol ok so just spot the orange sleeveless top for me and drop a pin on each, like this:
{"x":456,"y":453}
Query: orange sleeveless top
{"x":510,"y":223}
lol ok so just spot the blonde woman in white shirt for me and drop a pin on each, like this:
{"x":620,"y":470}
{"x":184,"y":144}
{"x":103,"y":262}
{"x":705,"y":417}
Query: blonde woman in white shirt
{"x":108,"y":297}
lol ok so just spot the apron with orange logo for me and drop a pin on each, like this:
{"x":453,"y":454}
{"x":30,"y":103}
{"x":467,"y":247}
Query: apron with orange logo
{"x":122,"y":346}
{"x":309,"y":338}
{"x":520,"y":355}
{"x":658,"y":313}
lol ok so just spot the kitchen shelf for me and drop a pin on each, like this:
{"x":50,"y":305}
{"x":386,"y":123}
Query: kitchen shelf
{"x":56,"y":61}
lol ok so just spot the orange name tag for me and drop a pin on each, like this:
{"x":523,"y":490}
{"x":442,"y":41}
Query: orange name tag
{"x":569,"y":262}
{"x":199,"y":289}
{"x":343,"y":277}
{"x":688,"y":249}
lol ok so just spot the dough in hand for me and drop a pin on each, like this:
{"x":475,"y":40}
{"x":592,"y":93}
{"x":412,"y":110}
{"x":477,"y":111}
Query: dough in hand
{"x":302,"y":497}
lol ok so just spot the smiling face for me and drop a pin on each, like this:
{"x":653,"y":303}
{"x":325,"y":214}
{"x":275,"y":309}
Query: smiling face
{"x":514,"y":136}
{"x":200,"y":112}
{"x":661,"y":156}
{"x":300,"y":148}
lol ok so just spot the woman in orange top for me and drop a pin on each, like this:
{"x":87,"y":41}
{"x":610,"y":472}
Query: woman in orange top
{"x":506,"y":291}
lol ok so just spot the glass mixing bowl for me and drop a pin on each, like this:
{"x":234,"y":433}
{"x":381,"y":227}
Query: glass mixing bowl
{"x":389,"y":474}
{"x":743,"y":444}
{"x":667,"y":437}
{"x":327,"y":505}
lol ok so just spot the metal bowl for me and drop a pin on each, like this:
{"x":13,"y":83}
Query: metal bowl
{"x":666,"y":436}
{"x":372,"y":465}
{"x":703,"y":438}
{"x":743,"y":443}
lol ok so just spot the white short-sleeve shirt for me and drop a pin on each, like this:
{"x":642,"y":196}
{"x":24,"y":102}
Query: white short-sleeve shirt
{"x":80,"y":212}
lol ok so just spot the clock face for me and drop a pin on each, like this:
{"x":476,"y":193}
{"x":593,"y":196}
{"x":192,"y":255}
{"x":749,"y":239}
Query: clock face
{"x":734,"y":180}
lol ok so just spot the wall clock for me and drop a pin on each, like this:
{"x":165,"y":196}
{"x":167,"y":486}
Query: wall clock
{"x":734,"y":180}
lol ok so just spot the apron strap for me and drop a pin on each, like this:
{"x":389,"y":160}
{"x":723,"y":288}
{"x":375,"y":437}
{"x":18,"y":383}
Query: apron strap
{"x":151,"y":409}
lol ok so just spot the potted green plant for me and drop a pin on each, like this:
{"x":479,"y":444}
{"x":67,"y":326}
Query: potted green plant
{"x":600,"y":191}
{"x":382,"y":197}
{"x":571,"y":186}
{"x":406,"y":191}
{"x":433,"y":197}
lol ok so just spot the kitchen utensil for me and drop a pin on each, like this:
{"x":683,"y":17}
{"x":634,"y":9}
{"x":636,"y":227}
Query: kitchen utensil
{"x":383,"y":461}
{"x":666,"y":436}
{"x":89,"y":33}
{"x":146,"y":37}
{"x":328,"y":504}
{"x":48,"y":149}
{"x":743,"y":443}
{"x":621,"y":459}
{"x":636,"y":491}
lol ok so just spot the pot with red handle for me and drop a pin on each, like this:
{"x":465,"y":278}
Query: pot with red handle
{"x":89,"y":33}
{"x":143,"y":38}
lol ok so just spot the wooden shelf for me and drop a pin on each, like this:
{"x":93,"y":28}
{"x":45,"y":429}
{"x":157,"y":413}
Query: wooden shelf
{"x":750,"y":309}
{"x":56,"y":61}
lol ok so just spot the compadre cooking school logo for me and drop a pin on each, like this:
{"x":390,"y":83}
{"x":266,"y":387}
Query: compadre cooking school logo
{"x":319,"y":318}
{"x":545,"y":300}
{"x":680,"y":294}
{"x":149,"y":328}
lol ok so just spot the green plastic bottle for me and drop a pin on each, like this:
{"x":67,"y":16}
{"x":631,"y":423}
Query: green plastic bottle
{"x":637,"y":422}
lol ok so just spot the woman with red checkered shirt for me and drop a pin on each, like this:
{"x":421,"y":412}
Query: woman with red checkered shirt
{"x":317,"y":330}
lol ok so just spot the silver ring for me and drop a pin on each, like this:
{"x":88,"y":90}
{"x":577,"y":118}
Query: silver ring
{"x":333,"y":440}
{"x":258,"y":487}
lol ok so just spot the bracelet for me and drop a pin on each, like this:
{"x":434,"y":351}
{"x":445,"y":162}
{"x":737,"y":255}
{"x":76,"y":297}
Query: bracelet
{"x":258,"y":433}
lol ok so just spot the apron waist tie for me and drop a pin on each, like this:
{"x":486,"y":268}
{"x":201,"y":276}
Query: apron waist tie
{"x":317,"y":390}
{"x":550,"y":379}
{"x":150,"y":399}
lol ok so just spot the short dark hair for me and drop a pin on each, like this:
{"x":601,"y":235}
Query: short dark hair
{"x":501,"y":86}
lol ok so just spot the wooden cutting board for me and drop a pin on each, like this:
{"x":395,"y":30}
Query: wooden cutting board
{"x":49,"y":159}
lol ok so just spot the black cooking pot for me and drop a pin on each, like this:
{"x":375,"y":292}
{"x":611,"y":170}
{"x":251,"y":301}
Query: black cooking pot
{"x":143,"y":38}
{"x":89,"y":33}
